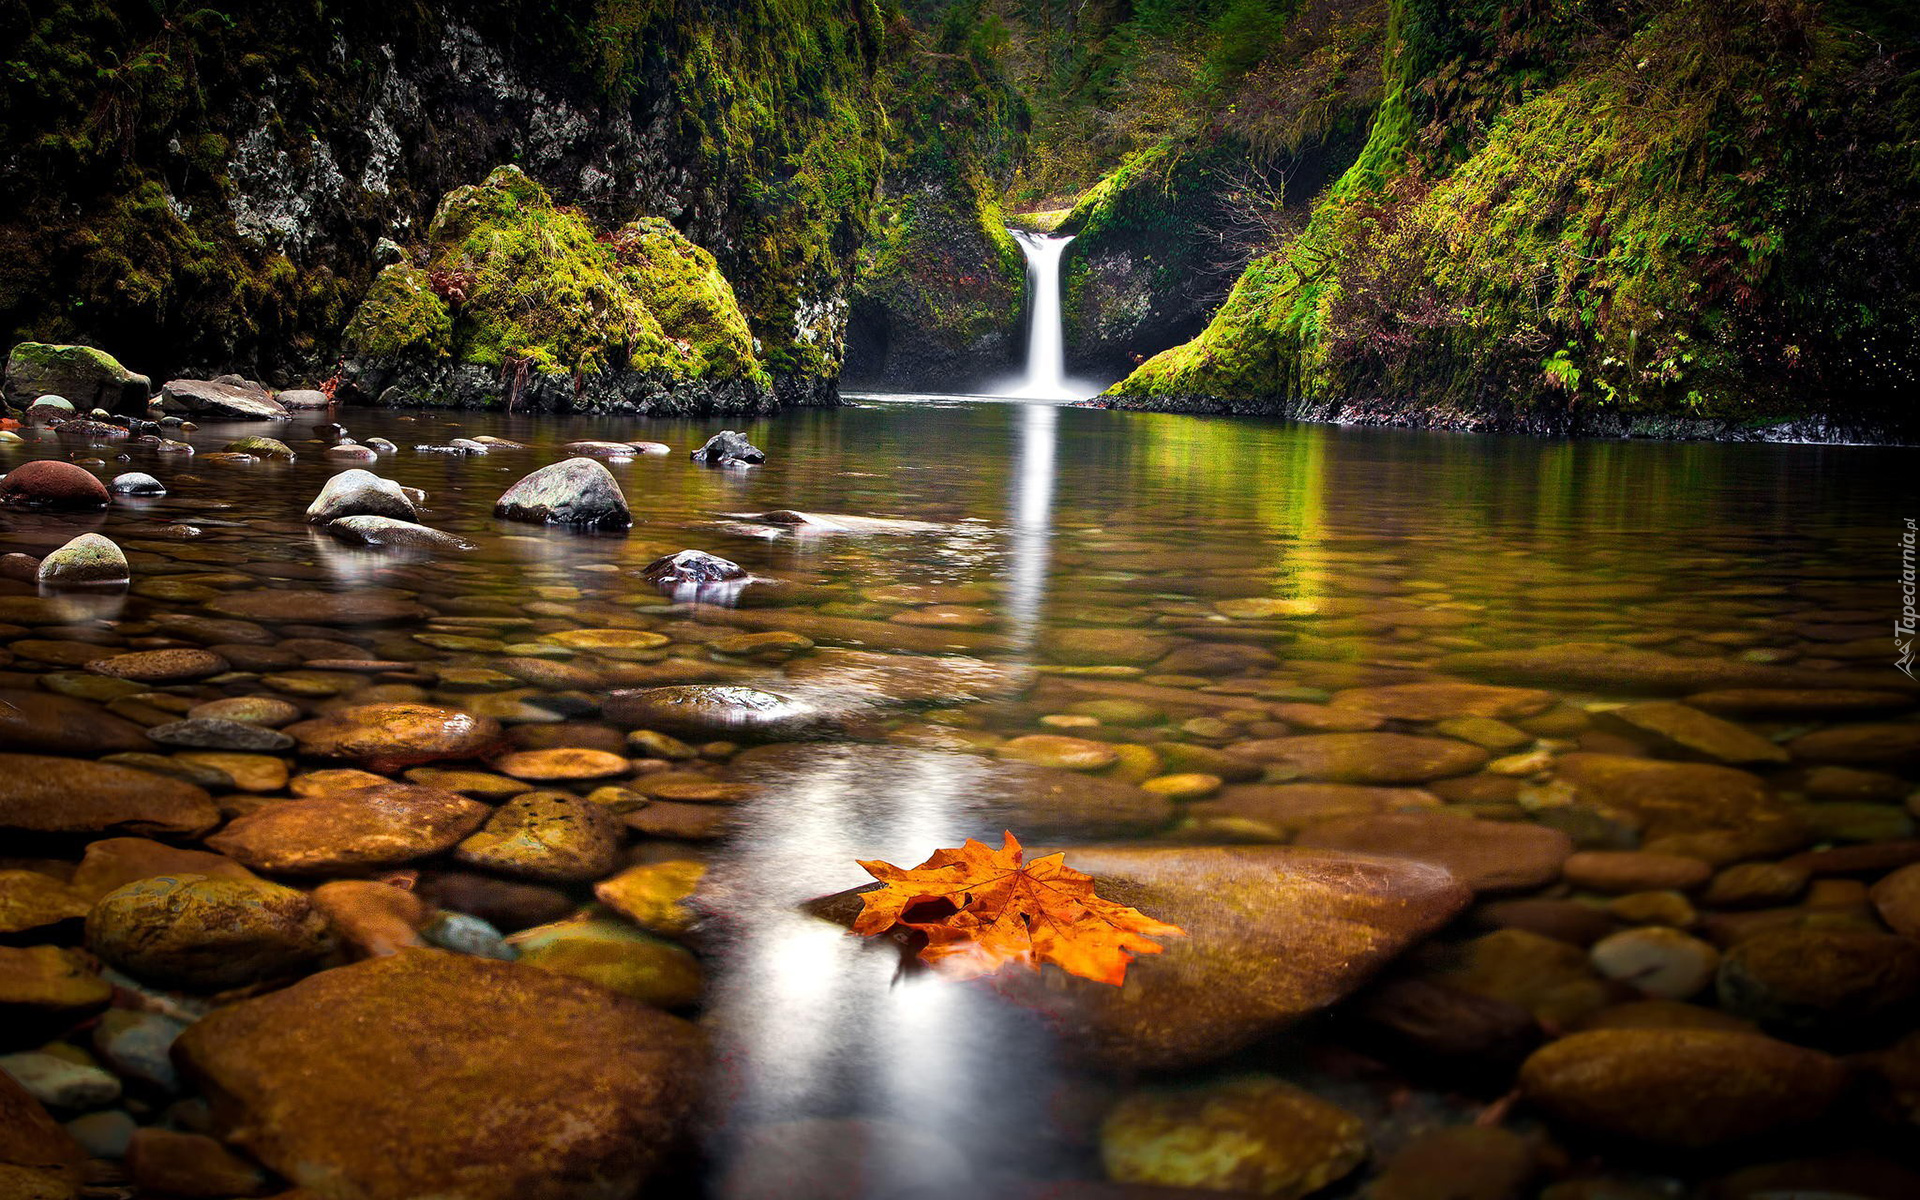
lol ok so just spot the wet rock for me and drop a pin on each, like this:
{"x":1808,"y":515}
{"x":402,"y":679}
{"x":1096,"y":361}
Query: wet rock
{"x":1439,"y":700}
{"x":30,"y":900}
{"x":1657,"y":961}
{"x":1683,"y":798}
{"x":372,"y":918}
{"x":1366,"y":757}
{"x":170,"y":1163}
{"x":1462,"y":1162}
{"x":104,"y":1134}
{"x":1690,"y":731}
{"x":500,"y":1101}
{"x":345,"y":452}
{"x":303,"y":398}
{"x":160,"y":666}
{"x":269,"y":711}
{"x":500,"y":902}
{"x":38,"y":1159}
{"x":36,"y":720}
{"x":50,"y":484}
{"x":551,"y":837}
{"x":340,"y":832}
{"x":772,"y":646}
{"x":711,"y":710}
{"x":358,"y":493}
{"x":1798,"y":702}
{"x":1622,"y":871}
{"x":1892,"y":745}
{"x":47,"y":984}
{"x":465,"y":934}
{"x":1755,"y":885}
{"x":1821,"y":982}
{"x":615,"y":956}
{"x":1563,"y":920}
{"x":987,"y":796}
{"x":579,"y":492}
{"x":204,"y":934}
{"x":1484,"y":855}
{"x":214,"y":401}
{"x":653,"y":895}
{"x":88,"y":560}
{"x":64,"y":795}
{"x":386,"y":738}
{"x":386,"y":531}
{"x":367,"y":606}
{"x":58,"y":1082}
{"x":76,"y":375}
{"x":1256,"y":1135}
{"x":136,"y":483}
{"x":563,"y":763}
{"x":1897,"y":899}
{"x":112,"y":863}
{"x":1686,"y":1088}
{"x":261,"y":447}
{"x":1094,"y":646}
{"x":138,"y":1046}
{"x":1605,"y":666}
{"x":1054,"y":750}
{"x":690,"y":568}
{"x":1217,"y":658}
{"x":728,"y":448}
{"x":216,"y":733}
{"x":1449,"y":1028}
{"x":834,"y":675}
{"x":1551,"y":979}
{"x":1274,"y":934}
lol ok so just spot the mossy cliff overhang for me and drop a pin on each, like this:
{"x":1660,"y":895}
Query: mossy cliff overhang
{"x":86,"y":377}
{"x":522,"y":302}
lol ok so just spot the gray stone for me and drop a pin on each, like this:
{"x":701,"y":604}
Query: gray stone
{"x":728,"y":448}
{"x":61,"y":1083}
{"x":370,"y":530}
{"x":579,"y":492}
{"x":356,"y":493}
{"x":218,"y":733}
{"x":210,"y":400}
{"x":137,"y":483}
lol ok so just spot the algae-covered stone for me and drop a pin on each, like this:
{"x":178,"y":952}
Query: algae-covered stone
{"x":547,"y":836}
{"x":579,"y":492}
{"x":615,"y":956}
{"x":206,"y":934}
{"x":1257,"y":1135}
{"x":86,"y":377}
{"x":653,"y":895}
{"x":517,"y":1082}
{"x":87,"y":559}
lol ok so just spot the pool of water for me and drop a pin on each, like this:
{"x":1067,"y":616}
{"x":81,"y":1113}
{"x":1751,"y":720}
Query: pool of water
{"x":1282,"y":567}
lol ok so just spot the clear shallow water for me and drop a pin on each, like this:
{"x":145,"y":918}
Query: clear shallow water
{"x":1399,"y":548}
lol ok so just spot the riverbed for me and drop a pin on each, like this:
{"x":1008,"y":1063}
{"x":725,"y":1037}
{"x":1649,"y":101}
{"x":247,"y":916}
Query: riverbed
{"x":1638,"y":698}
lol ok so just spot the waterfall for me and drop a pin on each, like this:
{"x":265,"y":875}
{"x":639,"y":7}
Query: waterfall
{"x":1046,"y":354}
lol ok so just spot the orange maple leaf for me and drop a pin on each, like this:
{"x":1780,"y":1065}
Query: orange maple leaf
{"x":982,"y":909}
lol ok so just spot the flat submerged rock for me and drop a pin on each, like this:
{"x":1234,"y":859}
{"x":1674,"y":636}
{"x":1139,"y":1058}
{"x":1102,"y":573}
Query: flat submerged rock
{"x":517,"y":1082}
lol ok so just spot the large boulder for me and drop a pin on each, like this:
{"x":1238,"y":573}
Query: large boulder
{"x":51,"y":484}
{"x":426,"y":1073}
{"x":358,"y":493}
{"x":86,"y":377}
{"x":220,"y":401}
{"x":579,"y":492}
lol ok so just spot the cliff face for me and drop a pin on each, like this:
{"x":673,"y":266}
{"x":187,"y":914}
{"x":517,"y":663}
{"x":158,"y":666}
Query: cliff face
{"x":1677,"y":216}
{"x":204,"y":188}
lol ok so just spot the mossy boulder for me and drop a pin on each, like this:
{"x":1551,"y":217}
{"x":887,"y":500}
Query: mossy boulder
{"x":525,"y":303}
{"x":86,"y":377}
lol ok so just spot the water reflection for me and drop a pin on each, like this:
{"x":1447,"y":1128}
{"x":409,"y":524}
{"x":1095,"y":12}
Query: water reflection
{"x":1032,"y":503}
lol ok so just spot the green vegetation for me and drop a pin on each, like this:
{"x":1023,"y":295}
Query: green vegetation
{"x":1616,"y":227}
{"x":522,"y":287}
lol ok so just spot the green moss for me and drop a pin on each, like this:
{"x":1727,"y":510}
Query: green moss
{"x":402,"y":316}
{"x":515,"y":281}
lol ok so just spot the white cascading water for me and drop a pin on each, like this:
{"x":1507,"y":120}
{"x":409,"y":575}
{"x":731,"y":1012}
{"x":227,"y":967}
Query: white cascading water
{"x":1046,"y":353}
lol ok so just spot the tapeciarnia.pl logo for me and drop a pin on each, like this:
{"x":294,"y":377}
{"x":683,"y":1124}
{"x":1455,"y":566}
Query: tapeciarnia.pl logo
{"x":1904,"y":624}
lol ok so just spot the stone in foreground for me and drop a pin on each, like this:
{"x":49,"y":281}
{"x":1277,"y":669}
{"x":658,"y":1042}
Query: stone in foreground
{"x":579,"y":492}
{"x":343,"y":832}
{"x":38,"y":1159}
{"x":1274,"y":935}
{"x":206,"y":934}
{"x":518,"y":1084}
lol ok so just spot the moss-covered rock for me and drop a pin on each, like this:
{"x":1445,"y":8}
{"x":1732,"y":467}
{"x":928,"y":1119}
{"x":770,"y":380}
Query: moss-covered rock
{"x":525,"y":302}
{"x":86,"y":377}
